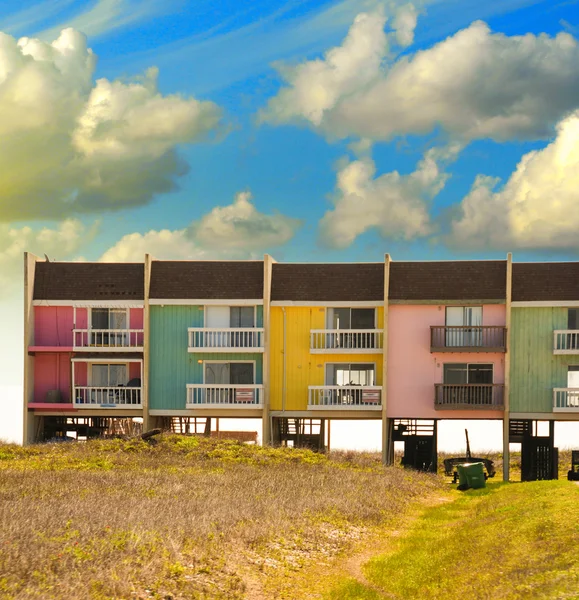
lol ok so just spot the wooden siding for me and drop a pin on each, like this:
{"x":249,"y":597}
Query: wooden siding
{"x":172,"y":366}
{"x":305,"y":369}
{"x":535,"y":370}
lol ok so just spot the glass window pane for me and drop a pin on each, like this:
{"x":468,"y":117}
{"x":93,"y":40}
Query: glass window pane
{"x":572,"y":318}
{"x":455,"y":373}
{"x":217,"y":373}
{"x":100,"y":318}
{"x":341,"y":318}
{"x":118,"y":319}
{"x":100,"y":375}
{"x":480,"y":373}
{"x":362,"y":318}
{"x":241,"y":373}
{"x":117,"y":375}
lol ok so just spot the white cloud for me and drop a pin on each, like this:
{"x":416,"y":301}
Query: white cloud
{"x":404,"y":24}
{"x":475,"y":84}
{"x":235,"y":231}
{"x":59,"y":243}
{"x":68,"y":145}
{"x":537,"y":208}
{"x":393,"y":204}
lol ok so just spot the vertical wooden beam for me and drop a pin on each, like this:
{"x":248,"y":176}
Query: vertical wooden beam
{"x":328,"y":447}
{"x":146,"y":343}
{"x":266,"y":438}
{"x":507,"y":413}
{"x":28,"y":429}
{"x":386,"y":454}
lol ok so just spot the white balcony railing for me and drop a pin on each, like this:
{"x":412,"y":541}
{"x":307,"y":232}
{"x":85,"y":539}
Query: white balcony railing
{"x":351,"y":341}
{"x":345,"y":397}
{"x":566,"y":400}
{"x":205,"y":339}
{"x":241,"y":395}
{"x":108,"y":339}
{"x":107,"y":397}
{"x":566,"y":341}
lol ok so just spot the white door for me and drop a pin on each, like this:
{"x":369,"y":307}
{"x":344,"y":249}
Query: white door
{"x":216,"y":317}
{"x":454,"y":319}
{"x":473,"y":317}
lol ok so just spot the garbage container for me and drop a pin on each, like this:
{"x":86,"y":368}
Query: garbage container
{"x":471,"y":475}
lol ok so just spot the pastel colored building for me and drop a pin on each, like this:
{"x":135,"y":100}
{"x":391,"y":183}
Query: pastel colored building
{"x":182,"y":344}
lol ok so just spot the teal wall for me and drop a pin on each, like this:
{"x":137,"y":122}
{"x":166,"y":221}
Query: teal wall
{"x":172,"y":367}
{"x":535,"y":370}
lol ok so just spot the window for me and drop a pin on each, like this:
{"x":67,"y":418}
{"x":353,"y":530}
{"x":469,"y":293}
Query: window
{"x":463,"y":326}
{"x":241,"y":316}
{"x":350,"y":374}
{"x":225,"y":317}
{"x":351,"y":318}
{"x":463,"y":373}
{"x":573,"y":318}
{"x":108,"y":318}
{"x":112,"y":375}
{"x":226,"y":373}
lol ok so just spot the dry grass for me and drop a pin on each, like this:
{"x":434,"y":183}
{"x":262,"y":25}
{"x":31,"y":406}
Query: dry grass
{"x":188,"y":518}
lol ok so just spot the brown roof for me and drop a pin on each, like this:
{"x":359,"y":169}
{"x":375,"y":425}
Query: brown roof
{"x":207,"y":280}
{"x":89,"y":281}
{"x":355,"y":282}
{"x":545,"y":281}
{"x":448,"y":280}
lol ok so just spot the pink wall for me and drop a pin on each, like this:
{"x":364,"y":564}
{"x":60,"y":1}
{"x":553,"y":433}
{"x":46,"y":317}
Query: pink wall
{"x":81,"y":318}
{"x":413,"y":369}
{"x":136,"y":318}
{"x":51,"y":372}
{"x":53,"y":325}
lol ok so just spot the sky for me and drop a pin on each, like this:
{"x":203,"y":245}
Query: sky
{"x":309,"y":129}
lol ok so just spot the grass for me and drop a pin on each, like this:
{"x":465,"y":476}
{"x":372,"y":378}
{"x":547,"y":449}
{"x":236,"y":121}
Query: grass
{"x":507,"y":541}
{"x":188,"y":518}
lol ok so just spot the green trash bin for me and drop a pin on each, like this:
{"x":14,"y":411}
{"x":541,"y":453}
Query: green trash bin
{"x":472,"y":475}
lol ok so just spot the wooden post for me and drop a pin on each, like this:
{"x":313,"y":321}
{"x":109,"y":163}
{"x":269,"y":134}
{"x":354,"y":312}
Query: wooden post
{"x":266,"y":438}
{"x":28,"y":425}
{"x":146,"y":343}
{"x":328,"y":447}
{"x":386,"y":454}
{"x":507,"y":412}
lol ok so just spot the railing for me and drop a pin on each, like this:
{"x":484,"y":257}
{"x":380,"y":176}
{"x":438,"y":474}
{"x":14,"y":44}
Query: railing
{"x":469,"y":395}
{"x":233,"y":395}
{"x":482,"y":338}
{"x":345,"y":397}
{"x":219,"y":340}
{"x":107,"y":339}
{"x":566,"y":399}
{"x":346,"y":340}
{"x":566,"y":341}
{"x":107,"y":397}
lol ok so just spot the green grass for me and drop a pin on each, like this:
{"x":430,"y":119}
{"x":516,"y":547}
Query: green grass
{"x":507,"y":541}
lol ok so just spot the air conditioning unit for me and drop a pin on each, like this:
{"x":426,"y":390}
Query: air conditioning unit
{"x":53,"y":397}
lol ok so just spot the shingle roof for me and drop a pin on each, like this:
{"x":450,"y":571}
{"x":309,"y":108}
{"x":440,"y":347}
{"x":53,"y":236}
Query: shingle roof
{"x":207,"y":280}
{"x":545,"y":281}
{"x":89,"y":281}
{"x":355,"y":282}
{"x":448,"y":280}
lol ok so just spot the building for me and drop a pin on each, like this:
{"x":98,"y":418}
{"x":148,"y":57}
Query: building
{"x":179,"y":343}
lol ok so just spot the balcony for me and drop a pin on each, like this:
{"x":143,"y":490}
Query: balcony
{"x":107,"y":397}
{"x":566,"y":400}
{"x":485,"y":396}
{"x":108,"y":340}
{"x":344,"y":397}
{"x":211,"y":395}
{"x":233,"y":339}
{"x":566,"y":341}
{"x":454,"y":338}
{"x":346,"y":341}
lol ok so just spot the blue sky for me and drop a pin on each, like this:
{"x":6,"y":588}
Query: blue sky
{"x":334,"y":131}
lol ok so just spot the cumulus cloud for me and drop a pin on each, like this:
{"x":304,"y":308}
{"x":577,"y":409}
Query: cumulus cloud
{"x":235,"y":231}
{"x":70,"y":145}
{"x":475,"y":84}
{"x":393,"y":204}
{"x":62,"y":242}
{"x":537,"y":208}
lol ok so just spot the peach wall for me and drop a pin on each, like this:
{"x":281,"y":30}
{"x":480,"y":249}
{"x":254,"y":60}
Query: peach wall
{"x":413,"y":369}
{"x":53,"y":325}
{"x":51,"y":372}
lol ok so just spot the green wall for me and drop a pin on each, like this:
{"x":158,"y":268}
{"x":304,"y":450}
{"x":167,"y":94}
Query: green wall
{"x":535,"y":370}
{"x":172,"y":367}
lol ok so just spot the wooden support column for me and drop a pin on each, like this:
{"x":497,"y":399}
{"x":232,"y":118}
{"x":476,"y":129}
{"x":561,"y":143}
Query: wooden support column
{"x":146,"y":344}
{"x":507,"y":412}
{"x":328,"y":447}
{"x":387,"y":457}
{"x":28,"y":425}
{"x":266,"y":437}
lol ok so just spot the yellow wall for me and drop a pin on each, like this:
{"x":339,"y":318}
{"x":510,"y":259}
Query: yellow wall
{"x":302,"y":368}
